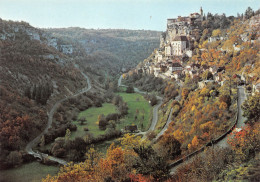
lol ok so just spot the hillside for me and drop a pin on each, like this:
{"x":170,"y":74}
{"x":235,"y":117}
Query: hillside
{"x":112,"y":49}
{"x":207,"y":81}
{"x":202,"y":93}
{"x":198,"y":93}
{"x":37,"y":69}
{"x":33,"y":76}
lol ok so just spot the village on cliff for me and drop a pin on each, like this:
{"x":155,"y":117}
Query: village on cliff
{"x":170,"y":61}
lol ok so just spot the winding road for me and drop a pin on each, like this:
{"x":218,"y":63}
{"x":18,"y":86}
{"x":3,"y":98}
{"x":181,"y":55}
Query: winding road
{"x":178,"y":98}
{"x":36,"y":140}
{"x":165,"y":126}
{"x":223,"y":142}
{"x":155,"y":108}
{"x":240,"y":118}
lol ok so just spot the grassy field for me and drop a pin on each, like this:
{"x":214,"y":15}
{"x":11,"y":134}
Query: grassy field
{"x":28,"y":172}
{"x":121,"y":89}
{"x":139,"y":111}
{"x":91,"y":116}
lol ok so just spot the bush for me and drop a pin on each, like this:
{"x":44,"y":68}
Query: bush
{"x":153,"y":100}
{"x":226,"y":99}
{"x":102,"y":122}
{"x":113,"y":116}
{"x":14,"y":158}
{"x":130,"y":89}
{"x":151,"y":135}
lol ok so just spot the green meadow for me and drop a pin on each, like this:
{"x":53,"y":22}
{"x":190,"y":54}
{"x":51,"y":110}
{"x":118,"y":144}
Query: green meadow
{"x":31,"y":172}
{"x":139,"y":111}
{"x":91,"y":116}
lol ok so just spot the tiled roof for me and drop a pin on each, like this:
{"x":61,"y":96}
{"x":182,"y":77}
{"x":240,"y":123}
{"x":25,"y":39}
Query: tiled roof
{"x":180,"y":38}
{"x":176,"y":65}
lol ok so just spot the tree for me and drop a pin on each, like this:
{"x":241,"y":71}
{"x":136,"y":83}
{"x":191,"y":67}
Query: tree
{"x":170,"y":146}
{"x":187,"y":79}
{"x":130,"y":89}
{"x":82,"y":120}
{"x":92,"y":156}
{"x":153,"y":100}
{"x":42,"y":141}
{"x":38,"y":94}
{"x":34,"y":92}
{"x":27,"y":92}
{"x":216,"y":33}
{"x":129,"y":141}
{"x":113,"y":86}
{"x":249,"y":13}
{"x":67,"y":135}
{"x":113,"y":167}
{"x":251,"y":108}
{"x":15,"y":158}
{"x":185,"y":93}
{"x":207,"y":75}
{"x":102,"y":122}
{"x":116,"y":100}
{"x":194,"y":143}
{"x":226,"y":99}
{"x":246,"y":143}
{"x":150,"y":163}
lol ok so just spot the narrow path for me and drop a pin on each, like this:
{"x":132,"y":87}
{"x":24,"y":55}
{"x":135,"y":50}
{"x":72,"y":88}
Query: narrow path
{"x":222,"y":143}
{"x":165,"y":126}
{"x":35,"y":141}
{"x":155,"y":108}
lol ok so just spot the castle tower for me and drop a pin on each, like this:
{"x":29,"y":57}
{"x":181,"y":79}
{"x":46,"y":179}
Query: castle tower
{"x":201,"y":11}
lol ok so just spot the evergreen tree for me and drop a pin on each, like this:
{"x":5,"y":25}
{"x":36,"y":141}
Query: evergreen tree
{"x":249,"y":13}
{"x":27,"y":92}
{"x":38,"y":94}
{"x":34,"y":92}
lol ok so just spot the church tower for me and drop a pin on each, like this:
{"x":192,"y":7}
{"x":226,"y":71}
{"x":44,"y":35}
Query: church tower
{"x":201,"y":11}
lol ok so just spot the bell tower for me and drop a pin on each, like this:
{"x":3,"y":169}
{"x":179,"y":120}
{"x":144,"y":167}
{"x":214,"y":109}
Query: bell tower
{"x":201,"y":11}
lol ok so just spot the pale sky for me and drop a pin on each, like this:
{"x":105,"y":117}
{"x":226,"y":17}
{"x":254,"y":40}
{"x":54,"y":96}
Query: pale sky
{"x":123,"y":14}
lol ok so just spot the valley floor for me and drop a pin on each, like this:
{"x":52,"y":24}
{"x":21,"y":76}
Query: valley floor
{"x":32,"y":172}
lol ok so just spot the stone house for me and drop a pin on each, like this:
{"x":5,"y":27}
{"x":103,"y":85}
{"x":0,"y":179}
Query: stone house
{"x":175,"y":67}
{"x":177,"y":75}
{"x":194,"y":73}
{"x":256,"y":87}
{"x":131,"y":128}
{"x":213,"y":69}
{"x":156,"y":71}
{"x":159,"y":58}
{"x":195,"y":66}
{"x":218,"y":77}
{"x":205,"y":67}
{"x":179,"y":45}
{"x":168,"y":50}
{"x":203,"y":83}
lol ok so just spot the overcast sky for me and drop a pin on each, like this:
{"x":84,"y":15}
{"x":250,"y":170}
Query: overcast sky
{"x":123,"y":14}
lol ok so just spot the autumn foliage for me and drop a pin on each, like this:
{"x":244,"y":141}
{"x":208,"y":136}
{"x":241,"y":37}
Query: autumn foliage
{"x":246,"y":142}
{"x":117,"y":165}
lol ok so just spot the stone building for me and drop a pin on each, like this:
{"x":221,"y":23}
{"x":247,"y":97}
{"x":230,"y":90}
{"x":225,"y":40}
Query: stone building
{"x":179,"y":45}
{"x":168,"y":50}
